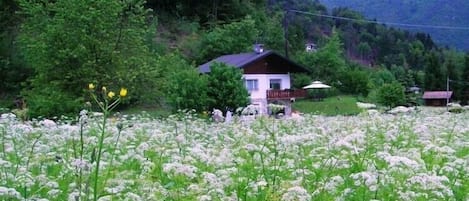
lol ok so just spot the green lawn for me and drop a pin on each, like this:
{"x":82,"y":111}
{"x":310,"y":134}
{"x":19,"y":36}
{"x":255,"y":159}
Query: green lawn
{"x":337,"y":105}
{"x":149,"y":111}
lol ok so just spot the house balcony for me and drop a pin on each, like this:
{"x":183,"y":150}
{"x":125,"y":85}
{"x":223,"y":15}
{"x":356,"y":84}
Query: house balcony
{"x":276,"y":94}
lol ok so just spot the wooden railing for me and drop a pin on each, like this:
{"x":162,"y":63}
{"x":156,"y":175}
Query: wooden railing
{"x":286,"y":94}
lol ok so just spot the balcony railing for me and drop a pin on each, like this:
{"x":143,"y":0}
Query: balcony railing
{"x":286,"y":94}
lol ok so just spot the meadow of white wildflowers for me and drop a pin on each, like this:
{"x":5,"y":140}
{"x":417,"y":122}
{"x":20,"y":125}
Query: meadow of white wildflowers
{"x":419,"y":156}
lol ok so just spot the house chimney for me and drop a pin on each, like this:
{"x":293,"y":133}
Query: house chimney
{"x":258,"y":48}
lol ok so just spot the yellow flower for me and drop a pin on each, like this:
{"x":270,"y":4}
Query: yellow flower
{"x":91,"y":86}
{"x":123,"y":92}
{"x":111,"y":94}
{"x":104,"y":89}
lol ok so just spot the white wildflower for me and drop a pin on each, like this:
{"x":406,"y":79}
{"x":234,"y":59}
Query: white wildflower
{"x":48,"y":123}
{"x":369,"y":179}
{"x":366,"y":105}
{"x":204,"y":198}
{"x":83,"y":119}
{"x":431,"y":183}
{"x":296,"y":193}
{"x":53,"y":193}
{"x":129,"y":196}
{"x":81,"y":164}
{"x":258,"y":185}
{"x":398,"y":161}
{"x":52,"y":184}
{"x":180,"y":138}
{"x":251,"y":147}
{"x":194,"y":188}
{"x":7,"y":117}
{"x":9,"y":193}
{"x":212,"y":180}
{"x":178,"y":168}
{"x":333,"y":183}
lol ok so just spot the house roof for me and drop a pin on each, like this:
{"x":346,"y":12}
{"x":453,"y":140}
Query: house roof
{"x":437,"y":94}
{"x":243,"y":59}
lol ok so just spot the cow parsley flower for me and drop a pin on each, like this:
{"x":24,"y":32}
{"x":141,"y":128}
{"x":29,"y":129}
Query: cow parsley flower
{"x":204,"y":198}
{"x":398,"y":161}
{"x":9,"y":193}
{"x":333,"y":183}
{"x":369,"y":179}
{"x":178,"y":168}
{"x":54,"y":193}
{"x":296,"y":193}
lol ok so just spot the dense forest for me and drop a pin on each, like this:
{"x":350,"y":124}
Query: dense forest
{"x":51,"y":50}
{"x":429,"y":12}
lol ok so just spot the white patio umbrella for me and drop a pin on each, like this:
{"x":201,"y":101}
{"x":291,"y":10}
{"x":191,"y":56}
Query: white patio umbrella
{"x":317,"y":85}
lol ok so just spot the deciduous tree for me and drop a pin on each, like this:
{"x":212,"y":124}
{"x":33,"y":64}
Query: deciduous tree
{"x":391,"y":95}
{"x":70,"y":43}
{"x":226,"y":89}
{"x":328,"y":62}
{"x":183,"y":85}
{"x":187,"y":89}
{"x":231,"y":38}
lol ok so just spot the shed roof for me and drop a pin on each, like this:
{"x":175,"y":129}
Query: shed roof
{"x":437,"y":94}
{"x":243,"y":59}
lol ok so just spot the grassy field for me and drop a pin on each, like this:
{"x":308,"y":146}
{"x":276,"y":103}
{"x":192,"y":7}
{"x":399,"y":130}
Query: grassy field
{"x":149,"y":111}
{"x":338,"y":105}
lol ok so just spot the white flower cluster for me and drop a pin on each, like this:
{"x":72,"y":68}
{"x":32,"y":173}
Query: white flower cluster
{"x":274,"y":108}
{"x":180,"y":169}
{"x":333,"y":184}
{"x":366,"y":105}
{"x":399,"y":161}
{"x":369,"y":179}
{"x":10,"y":193}
{"x":296,"y":193}
{"x":383,"y":157}
{"x":431,"y":183}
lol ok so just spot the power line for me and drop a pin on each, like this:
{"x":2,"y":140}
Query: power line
{"x":378,"y":22}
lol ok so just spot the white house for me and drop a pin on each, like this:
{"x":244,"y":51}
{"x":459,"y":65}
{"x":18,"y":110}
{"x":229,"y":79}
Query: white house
{"x":266,"y":75}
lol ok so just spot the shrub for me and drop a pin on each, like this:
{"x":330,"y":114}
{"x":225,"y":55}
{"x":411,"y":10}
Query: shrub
{"x":354,"y":81}
{"x":187,"y":89}
{"x":51,"y":102}
{"x":226,"y":88}
{"x":300,"y":80}
{"x":391,"y":94}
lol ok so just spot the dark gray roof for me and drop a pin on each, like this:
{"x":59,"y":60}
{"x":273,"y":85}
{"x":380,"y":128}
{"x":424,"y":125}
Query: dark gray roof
{"x":236,"y":60}
{"x":239,"y":60}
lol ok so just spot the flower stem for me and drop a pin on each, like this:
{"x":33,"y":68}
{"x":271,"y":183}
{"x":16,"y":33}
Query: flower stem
{"x":98,"y":158}
{"x":112,"y":155}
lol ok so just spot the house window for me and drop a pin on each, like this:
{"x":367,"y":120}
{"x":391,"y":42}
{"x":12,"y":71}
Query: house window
{"x":252,"y":85}
{"x":275,"y":83}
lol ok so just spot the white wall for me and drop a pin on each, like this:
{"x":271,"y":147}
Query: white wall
{"x":264,"y":83}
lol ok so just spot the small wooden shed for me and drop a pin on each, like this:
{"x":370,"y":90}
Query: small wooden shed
{"x":436,"y":98}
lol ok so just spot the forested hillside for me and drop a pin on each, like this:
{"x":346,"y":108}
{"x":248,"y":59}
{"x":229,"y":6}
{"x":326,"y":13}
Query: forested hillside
{"x":50,"y":51}
{"x":428,"y":12}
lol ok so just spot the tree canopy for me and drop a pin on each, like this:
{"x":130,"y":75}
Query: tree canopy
{"x":51,"y":50}
{"x":225,"y":89}
{"x":71,"y":43}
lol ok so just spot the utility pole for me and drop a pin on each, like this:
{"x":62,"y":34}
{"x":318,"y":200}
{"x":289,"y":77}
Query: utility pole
{"x":447,"y":93}
{"x":285,"y":31}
